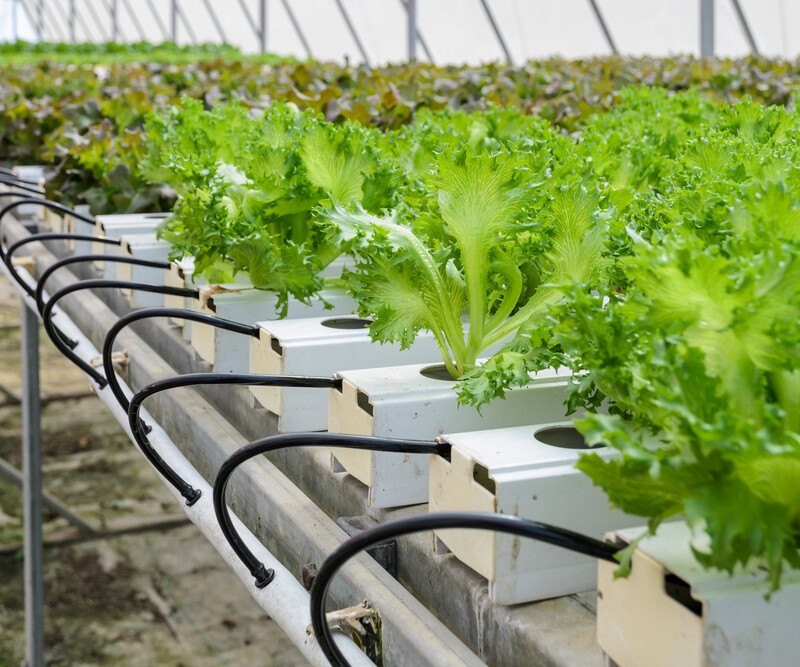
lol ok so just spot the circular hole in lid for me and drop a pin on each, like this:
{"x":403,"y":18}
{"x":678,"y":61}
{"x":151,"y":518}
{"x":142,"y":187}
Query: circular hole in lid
{"x":566,"y":437}
{"x":437,"y":372}
{"x":346,"y":323}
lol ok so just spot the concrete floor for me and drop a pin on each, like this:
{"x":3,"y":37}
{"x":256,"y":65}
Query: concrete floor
{"x":155,"y":598}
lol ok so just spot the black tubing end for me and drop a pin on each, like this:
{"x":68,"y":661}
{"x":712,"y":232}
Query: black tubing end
{"x":102,"y":383}
{"x":71,"y":344}
{"x":192,"y":495}
{"x":146,"y":428}
{"x":263,"y":576}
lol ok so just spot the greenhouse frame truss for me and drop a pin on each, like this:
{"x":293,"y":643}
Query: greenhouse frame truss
{"x":119,"y":20}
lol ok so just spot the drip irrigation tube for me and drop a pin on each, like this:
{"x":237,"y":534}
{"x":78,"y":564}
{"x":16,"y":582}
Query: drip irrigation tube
{"x":287,"y":601}
{"x":47,"y":314}
{"x":12,"y":175}
{"x":46,"y":203}
{"x":196,"y":379}
{"x":502,"y":523}
{"x":136,"y":261}
{"x":11,"y":193}
{"x":147,"y":313}
{"x":22,"y":185}
{"x":39,"y":292}
{"x":263,"y":575}
{"x":47,"y":236}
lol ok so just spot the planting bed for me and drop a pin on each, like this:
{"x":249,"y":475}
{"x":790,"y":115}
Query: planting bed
{"x":209,"y":424}
{"x":461,"y":315}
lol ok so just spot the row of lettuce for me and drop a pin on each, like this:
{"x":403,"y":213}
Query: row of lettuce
{"x":81,"y":109}
{"x":656,"y":257}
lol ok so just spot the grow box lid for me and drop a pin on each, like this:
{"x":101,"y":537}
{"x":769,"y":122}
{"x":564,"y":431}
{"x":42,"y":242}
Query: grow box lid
{"x":395,"y":381}
{"x":506,"y":450}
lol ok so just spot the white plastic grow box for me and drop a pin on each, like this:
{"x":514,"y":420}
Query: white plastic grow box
{"x":179,"y":274}
{"x":670,"y":611}
{"x":116,"y":226}
{"x":148,"y":247}
{"x":320,"y":346}
{"x":229,"y":352}
{"x":78,"y":226}
{"x":527,"y":471}
{"x":35,"y":175}
{"x":419,"y":402}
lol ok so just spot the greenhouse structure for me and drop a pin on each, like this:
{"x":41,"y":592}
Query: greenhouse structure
{"x":400,"y":333}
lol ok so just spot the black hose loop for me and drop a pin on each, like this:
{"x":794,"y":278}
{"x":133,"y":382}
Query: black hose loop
{"x":148,"y":313}
{"x":46,"y":203}
{"x":46,"y":236}
{"x":47,"y":319}
{"x":275,"y":442}
{"x":28,"y":186}
{"x":79,"y":259}
{"x":193,"y":380}
{"x":502,"y":523}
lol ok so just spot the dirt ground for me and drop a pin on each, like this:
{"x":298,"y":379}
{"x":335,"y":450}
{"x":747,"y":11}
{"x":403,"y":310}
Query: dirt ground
{"x":158,"y":598}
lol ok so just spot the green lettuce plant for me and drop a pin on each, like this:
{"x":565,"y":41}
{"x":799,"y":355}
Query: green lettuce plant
{"x":482,"y":248}
{"x":248,"y":184}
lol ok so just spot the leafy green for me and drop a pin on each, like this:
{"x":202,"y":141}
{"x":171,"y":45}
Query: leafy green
{"x":700,"y":360}
{"x":482,"y":233}
{"x":248,"y":185}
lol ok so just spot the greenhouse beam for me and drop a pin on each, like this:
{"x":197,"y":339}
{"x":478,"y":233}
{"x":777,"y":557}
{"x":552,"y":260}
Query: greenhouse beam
{"x":706,"y":28}
{"x":33,"y":537}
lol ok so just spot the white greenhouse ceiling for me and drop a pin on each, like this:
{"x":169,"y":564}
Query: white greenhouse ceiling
{"x":451,"y":31}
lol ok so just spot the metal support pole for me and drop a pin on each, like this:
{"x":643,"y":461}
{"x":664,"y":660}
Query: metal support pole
{"x":215,"y":20}
{"x":745,"y":26}
{"x":72,"y":21}
{"x":32,"y":491}
{"x":262,"y":25}
{"x":420,"y":38}
{"x":706,"y":28}
{"x":31,"y":18}
{"x":297,"y":28}
{"x":135,"y":19}
{"x":353,"y":32}
{"x":411,"y":11}
{"x":40,"y":19}
{"x":497,"y":33}
{"x":16,"y":477}
{"x":173,"y":21}
{"x":114,"y":22}
{"x":187,"y":25}
{"x":601,"y":21}
{"x":157,"y":16}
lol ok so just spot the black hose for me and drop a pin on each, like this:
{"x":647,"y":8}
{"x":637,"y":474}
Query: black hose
{"x":47,"y":315}
{"x":22,"y":185}
{"x":46,"y":203}
{"x":147,"y":313}
{"x":11,"y":193}
{"x":502,"y":523}
{"x":262,"y":574}
{"x":46,"y":236}
{"x":192,"y":380}
{"x":39,"y":292}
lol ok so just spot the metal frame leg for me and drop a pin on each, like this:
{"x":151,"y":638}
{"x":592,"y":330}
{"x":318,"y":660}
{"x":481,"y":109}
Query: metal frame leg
{"x":32,"y":491}
{"x":706,"y":28}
